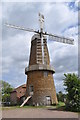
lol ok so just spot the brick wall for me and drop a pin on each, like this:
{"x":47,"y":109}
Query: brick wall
{"x":17,"y":93}
{"x":43,"y":86}
{"x":13,"y":98}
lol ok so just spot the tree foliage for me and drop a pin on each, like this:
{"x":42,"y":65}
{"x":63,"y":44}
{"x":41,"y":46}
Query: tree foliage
{"x":72,"y":83}
{"x":6,"y":90}
{"x":61,"y":96}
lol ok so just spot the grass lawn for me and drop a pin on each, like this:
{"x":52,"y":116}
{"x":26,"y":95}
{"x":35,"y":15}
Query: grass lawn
{"x":59,"y":105}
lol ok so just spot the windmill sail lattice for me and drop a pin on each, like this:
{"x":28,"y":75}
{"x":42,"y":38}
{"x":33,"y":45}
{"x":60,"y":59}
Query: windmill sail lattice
{"x":40,"y":83}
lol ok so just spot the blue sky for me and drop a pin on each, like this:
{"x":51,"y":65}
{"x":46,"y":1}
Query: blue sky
{"x":60,"y":18}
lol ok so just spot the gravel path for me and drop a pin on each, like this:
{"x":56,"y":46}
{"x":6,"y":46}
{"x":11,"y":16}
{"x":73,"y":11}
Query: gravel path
{"x":36,"y":113}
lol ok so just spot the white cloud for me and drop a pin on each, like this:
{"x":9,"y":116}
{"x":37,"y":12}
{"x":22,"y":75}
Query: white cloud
{"x":0,"y":11}
{"x":72,"y":31}
{"x":59,"y":17}
{"x":6,"y":63}
{"x":16,"y":52}
{"x":38,"y":0}
{"x":77,"y":3}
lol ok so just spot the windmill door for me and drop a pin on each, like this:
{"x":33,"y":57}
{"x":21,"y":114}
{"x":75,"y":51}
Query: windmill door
{"x":48,"y":100}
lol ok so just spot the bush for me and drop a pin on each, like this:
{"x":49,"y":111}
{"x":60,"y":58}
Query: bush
{"x":60,"y":96}
{"x":72,"y":83}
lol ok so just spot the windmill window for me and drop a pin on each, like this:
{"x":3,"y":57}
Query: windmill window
{"x":45,"y":74}
{"x":31,"y":88}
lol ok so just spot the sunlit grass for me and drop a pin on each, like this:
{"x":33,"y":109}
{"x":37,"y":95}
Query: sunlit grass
{"x":60,"y":104}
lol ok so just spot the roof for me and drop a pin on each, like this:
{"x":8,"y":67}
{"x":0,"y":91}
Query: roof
{"x":23,"y":86}
{"x":21,"y":90}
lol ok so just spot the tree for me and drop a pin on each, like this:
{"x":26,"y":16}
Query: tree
{"x":72,"y":83}
{"x":61,"y":96}
{"x":6,"y":90}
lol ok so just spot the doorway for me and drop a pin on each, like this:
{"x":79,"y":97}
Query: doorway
{"x":48,"y":100}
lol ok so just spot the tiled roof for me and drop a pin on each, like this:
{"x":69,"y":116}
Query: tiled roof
{"x":21,"y":90}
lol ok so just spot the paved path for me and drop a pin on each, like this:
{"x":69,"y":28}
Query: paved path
{"x":37,"y":113}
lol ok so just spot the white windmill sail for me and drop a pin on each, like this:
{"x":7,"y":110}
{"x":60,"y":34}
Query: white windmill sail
{"x":25,"y":101}
{"x":41,"y":21}
{"x":52,"y":37}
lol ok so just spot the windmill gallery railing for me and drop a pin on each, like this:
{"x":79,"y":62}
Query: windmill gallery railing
{"x":39,"y":67}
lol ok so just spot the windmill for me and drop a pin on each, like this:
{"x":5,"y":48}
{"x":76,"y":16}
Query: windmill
{"x":40,"y":84}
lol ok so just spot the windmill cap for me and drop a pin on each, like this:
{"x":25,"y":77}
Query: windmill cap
{"x":37,"y":36}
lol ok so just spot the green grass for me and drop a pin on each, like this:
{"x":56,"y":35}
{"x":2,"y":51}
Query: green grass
{"x":14,"y":107}
{"x":59,"y":105}
{"x":34,"y":107}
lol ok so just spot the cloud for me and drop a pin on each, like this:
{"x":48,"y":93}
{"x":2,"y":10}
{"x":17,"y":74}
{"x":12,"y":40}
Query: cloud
{"x":63,"y":20}
{"x":16,"y":51}
{"x":38,"y":1}
{"x":64,"y":58}
{"x":6,"y":63}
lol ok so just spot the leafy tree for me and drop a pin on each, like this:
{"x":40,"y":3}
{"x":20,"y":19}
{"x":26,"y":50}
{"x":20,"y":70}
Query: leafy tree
{"x":6,"y":89}
{"x":61,"y":96}
{"x":72,"y":83}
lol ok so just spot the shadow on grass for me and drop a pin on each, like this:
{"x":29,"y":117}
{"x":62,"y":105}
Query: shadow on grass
{"x":58,"y":109}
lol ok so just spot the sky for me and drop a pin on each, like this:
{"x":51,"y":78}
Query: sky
{"x":61,"y":18}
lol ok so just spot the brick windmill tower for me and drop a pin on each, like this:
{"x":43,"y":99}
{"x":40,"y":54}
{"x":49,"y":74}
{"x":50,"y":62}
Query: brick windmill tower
{"x":40,"y":82}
